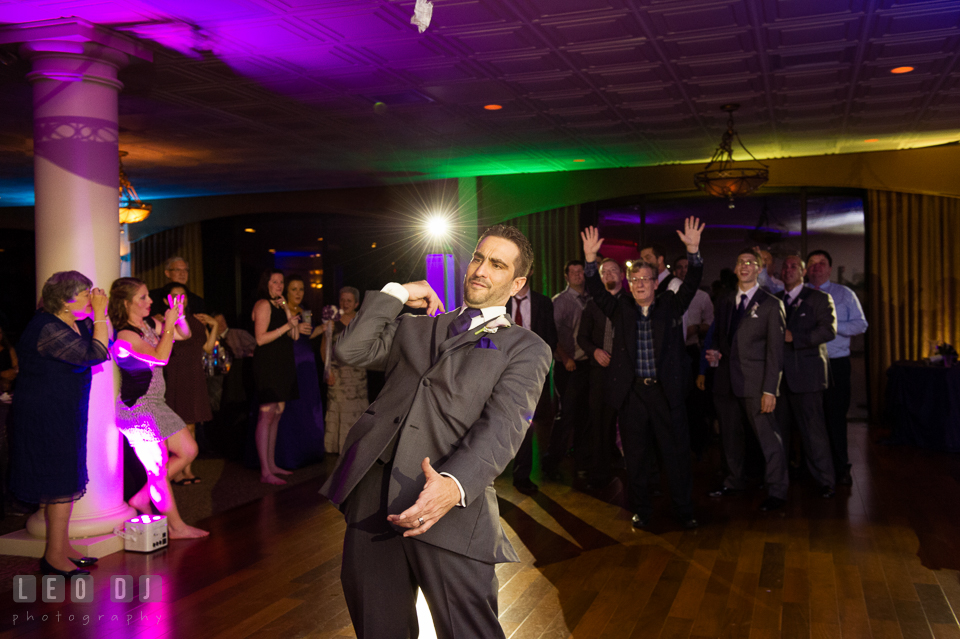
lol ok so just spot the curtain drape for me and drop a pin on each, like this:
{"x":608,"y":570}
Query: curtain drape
{"x":913,"y":271}
{"x":555,"y":235}
{"x":150,"y":253}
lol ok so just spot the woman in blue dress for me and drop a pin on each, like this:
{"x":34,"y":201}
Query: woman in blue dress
{"x":48,"y":447}
{"x":300,"y":433}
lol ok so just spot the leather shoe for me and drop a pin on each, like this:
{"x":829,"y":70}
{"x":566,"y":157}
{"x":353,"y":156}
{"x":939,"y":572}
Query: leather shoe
{"x":723,"y":491}
{"x":844,"y":478}
{"x":771,"y":503}
{"x":526,"y":487}
{"x":84,"y":562}
{"x":47,"y":569}
{"x":689,"y":523}
{"x":639,"y":521}
{"x":827,"y":492}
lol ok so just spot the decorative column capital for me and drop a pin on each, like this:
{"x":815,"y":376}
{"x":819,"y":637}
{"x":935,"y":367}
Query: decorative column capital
{"x":74,"y":50}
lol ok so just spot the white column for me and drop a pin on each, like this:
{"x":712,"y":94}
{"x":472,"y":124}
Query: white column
{"x":76,"y":181}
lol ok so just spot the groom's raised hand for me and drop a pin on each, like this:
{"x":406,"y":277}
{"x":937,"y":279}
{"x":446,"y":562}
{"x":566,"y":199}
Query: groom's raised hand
{"x":422,"y":295}
{"x":438,"y":496}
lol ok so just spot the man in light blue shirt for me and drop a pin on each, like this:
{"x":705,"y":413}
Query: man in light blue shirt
{"x":850,"y":321}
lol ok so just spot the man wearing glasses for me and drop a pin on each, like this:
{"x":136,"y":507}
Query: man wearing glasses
{"x":648,"y":370}
{"x":748,"y":354}
{"x":176,"y":270}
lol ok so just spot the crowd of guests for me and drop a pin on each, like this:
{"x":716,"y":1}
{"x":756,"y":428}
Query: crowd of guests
{"x":162,"y":341}
{"x":648,"y":370}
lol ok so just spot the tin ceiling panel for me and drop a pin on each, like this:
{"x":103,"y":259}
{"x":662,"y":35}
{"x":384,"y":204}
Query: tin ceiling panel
{"x":261,"y":95}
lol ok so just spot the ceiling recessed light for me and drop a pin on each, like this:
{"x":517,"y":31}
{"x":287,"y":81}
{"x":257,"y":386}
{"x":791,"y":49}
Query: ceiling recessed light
{"x":579,"y":160}
{"x":319,"y":239}
{"x":872,"y":140}
{"x":901,"y":70}
{"x":272,"y":250}
{"x":250,"y":230}
{"x":492,"y":107}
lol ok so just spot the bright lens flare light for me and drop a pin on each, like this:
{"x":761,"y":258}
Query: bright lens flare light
{"x":438,"y":227}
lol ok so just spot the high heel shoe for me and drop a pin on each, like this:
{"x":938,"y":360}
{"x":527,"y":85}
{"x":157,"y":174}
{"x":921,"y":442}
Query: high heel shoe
{"x":84,"y":562}
{"x":47,"y":569}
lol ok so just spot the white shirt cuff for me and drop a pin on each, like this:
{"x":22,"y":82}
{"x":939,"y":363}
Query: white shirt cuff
{"x":399,"y":292}
{"x":463,"y":497}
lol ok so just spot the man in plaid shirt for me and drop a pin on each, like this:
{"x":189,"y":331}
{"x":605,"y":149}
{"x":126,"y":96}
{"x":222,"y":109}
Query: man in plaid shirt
{"x":649,"y":371}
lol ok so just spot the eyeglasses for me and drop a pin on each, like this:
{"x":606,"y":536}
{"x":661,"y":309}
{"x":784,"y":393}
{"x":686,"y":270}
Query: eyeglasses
{"x":746,"y":263}
{"x":641,"y":278}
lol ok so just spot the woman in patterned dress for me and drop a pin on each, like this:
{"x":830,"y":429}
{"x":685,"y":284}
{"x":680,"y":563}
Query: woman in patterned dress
{"x":347,"y":393}
{"x":156,"y":434}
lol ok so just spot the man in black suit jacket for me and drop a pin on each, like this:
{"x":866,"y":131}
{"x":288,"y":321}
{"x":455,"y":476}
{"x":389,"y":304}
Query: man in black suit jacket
{"x":534,"y":311}
{"x":748,"y":349}
{"x":595,"y":337}
{"x":176,"y":271}
{"x":811,"y":323}
{"x":648,"y":369}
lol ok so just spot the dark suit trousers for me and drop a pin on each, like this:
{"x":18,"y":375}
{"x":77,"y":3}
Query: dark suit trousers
{"x":733,"y":411}
{"x":602,"y":435}
{"x":836,"y":405}
{"x":542,"y":419}
{"x":698,"y":402}
{"x":804,"y":411}
{"x":574,"y":418}
{"x":644,"y":416}
{"x":382,"y":570}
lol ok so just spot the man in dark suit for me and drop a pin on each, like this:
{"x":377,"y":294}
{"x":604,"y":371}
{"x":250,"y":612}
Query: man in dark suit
{"x":655,"y":255}
{"x":534,"y":311}
{"x":648,"y":369}
{"x":415,"y":478}
{"x":595,"y":337}
{"x":176,"y":271}
{"x":811,"y":323}
{"x":748,"y":349}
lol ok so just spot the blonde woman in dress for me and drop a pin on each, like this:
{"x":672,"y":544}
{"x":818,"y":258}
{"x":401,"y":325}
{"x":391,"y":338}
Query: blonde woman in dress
{"x":347,"y":392}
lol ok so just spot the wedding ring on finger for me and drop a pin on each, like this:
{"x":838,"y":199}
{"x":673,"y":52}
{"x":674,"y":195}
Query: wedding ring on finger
{"x":420,"y":519}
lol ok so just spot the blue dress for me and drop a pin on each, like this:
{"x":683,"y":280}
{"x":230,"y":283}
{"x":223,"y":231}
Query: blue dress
{"x":48,"y":438}
{"x":300,"y":432}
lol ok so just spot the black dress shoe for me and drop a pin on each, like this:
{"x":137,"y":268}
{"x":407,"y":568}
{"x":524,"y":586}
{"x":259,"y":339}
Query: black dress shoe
{"x":47,"y":569}
{"x":827,"y":492}
{"x":526,"y":487}
{"x":844,"y":478}
{"x":689,"y":523}
{"x":723,"y":491}
{"x":771,"y":503}
{"x":84,"y":562}
{"x":640,"y":521}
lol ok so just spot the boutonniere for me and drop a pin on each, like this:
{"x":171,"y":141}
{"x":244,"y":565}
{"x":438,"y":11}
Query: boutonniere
{"x":492,"y":327}
{"x":753,"y":310}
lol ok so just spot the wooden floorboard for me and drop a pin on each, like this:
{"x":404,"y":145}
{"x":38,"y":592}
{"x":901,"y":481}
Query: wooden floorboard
{"x":880,"y":560}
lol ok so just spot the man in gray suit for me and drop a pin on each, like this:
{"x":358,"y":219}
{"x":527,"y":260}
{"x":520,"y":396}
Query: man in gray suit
{"x":748,"y":349}
{"x":811,"y":323}
{"x":415,"y":478}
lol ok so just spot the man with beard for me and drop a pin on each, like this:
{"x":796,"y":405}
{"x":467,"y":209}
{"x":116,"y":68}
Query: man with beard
{"x":415,"y":477}
{"x":595,"y":337}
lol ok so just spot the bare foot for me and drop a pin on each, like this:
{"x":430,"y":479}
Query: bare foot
{"x":272,"y":479}
{"x":141,"y":503}
{"x":185,"y":532}
{"x":276,"y":470}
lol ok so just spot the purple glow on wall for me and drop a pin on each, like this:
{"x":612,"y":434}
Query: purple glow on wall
{"x":441,"y":275}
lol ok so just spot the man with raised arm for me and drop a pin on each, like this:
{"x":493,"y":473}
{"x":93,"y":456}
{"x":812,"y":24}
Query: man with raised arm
{"x":415,"y":476}
{"x":648,"y":370}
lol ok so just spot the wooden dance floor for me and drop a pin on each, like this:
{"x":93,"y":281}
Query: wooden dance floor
{"x":879,"y":560}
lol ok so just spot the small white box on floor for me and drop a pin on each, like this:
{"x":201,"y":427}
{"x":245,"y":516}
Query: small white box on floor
{"x":145,"y":533}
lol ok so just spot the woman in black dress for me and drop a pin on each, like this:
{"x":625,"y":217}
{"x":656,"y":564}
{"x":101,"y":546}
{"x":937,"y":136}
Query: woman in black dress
{"x":48,"y":451}
{"x":274,"y":368}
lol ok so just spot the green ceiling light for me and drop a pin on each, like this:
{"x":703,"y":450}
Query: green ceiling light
{"x":719,"y":178}
{"x":131,"y":208}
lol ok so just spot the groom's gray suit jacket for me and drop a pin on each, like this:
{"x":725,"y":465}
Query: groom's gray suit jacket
{"x":463,"y":405}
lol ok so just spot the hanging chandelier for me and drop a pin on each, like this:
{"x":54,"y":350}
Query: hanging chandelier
{"x":131,"y":208}
{"x":719,"y":178}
